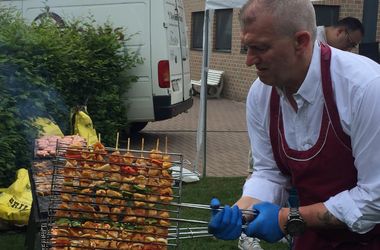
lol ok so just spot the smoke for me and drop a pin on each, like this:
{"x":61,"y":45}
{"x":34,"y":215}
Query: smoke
{"x":31,"y":96}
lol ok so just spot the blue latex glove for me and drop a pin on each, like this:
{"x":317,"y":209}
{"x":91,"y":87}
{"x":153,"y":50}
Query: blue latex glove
{"x":214,"y":204}
{"x":225,"y":224}
{"x":265,"y":226}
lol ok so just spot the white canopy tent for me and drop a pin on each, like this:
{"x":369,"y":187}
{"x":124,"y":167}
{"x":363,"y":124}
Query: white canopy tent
{"x":210,"y":6}
{"x":220,"y":4}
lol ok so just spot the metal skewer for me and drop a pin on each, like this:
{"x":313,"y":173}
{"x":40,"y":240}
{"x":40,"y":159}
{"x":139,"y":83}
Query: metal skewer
{"x":189,"y":233}
{"x":207,"y":207}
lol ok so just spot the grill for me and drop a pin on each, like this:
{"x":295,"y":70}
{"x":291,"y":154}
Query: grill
{"x":45,"y":150}
{"x":109,"y":198}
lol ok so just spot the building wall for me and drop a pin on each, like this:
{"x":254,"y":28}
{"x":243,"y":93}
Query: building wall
{"x":238,"y":77}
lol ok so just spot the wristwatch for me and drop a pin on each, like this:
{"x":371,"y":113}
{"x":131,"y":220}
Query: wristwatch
{"x":295,"y":225}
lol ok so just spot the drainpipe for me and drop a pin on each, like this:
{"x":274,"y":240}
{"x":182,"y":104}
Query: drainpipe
{"x":369,"y":46}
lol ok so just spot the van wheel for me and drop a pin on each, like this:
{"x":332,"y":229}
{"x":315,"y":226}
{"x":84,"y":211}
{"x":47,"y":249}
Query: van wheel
{"x":136,"y":127}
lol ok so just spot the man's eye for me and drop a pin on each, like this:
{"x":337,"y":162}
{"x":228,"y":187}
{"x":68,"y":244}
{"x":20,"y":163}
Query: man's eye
{"x":264,"y":48}
{"x":258,"y":48}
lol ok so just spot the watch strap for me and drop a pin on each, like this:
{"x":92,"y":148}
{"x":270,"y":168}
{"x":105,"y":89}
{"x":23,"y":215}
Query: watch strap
{"x":294,"y":216}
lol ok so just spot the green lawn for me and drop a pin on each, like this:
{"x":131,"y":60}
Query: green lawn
{"x":227,"y":190}
{"x":12,"y":240}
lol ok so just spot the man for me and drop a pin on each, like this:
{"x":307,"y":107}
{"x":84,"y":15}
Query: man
{"x":345,"y":35}
{"x":313,"y":122}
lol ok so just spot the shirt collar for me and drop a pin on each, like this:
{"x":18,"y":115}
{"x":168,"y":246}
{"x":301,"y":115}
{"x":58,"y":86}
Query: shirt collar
{"x":312,"y":83}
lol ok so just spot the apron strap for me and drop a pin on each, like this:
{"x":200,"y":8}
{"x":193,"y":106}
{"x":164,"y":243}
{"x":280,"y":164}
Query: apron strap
{"x":329,"y":96}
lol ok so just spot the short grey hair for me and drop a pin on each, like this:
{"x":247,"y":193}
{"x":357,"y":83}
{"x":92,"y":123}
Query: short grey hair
{"x":290,"y":16}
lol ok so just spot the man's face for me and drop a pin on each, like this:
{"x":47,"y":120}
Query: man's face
{"x":273,"y":55}
{"x":353,"y":38}
{"x":347,"y":40}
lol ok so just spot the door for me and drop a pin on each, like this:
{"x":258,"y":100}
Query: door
{"x":178,"y":51}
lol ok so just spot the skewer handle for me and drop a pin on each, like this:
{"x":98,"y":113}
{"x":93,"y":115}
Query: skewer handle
{"x":117,"y":141}
{"x":251,"y":213}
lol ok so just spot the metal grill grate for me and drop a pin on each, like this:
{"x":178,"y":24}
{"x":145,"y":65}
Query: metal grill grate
{"x":105,"y":198}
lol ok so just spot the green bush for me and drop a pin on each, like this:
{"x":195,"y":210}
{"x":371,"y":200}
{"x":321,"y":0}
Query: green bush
{"x":48,"y":70}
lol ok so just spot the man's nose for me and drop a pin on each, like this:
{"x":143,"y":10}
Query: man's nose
{"x":251,"y":59}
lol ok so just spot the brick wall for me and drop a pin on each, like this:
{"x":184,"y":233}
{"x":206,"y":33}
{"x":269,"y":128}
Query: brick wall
{"x":238,"y":77}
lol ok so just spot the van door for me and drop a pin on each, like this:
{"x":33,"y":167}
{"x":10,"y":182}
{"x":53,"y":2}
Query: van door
{"x":178,"y":51}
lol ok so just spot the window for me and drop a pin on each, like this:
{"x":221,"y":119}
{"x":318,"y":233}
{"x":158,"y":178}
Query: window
{"x":326,"y":15}
{"x":223,"y":30}
{"x":197,"y":30}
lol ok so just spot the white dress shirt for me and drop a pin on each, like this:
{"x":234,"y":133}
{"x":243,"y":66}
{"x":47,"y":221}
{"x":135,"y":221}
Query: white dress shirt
{"x":321,"y":34}
{"x":356,"y":87}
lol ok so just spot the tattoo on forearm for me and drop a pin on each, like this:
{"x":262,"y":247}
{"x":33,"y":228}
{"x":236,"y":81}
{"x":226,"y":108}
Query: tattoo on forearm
{"x":329,"y":220}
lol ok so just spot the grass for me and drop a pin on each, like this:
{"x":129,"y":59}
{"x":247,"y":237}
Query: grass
{"x":226,"y":189}
{"x":12,"y":240}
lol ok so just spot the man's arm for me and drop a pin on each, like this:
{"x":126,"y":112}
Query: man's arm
{"x":315,"y":216}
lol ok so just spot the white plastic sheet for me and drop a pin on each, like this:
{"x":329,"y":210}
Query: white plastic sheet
{"x":218,"y":4}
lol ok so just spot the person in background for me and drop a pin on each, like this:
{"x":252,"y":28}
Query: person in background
{"x":312,"y":120}
{"x":344,"y":35}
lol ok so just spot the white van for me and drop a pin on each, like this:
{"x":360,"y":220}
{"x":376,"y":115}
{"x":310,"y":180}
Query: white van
{"x":163,"y":89}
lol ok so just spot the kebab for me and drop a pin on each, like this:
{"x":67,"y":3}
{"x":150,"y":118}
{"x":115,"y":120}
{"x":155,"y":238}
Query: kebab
{"x":113,"y":198}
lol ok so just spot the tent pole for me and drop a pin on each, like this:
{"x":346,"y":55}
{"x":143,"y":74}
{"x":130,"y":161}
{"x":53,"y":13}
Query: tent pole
{"x":204,"y":92}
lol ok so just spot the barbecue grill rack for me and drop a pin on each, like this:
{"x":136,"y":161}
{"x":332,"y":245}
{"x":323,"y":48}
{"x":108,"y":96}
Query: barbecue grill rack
{"x":40,"y":175}
{"x":108,"y":198}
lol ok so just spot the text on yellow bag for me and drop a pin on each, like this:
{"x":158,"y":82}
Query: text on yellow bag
{"x":16,"y":200}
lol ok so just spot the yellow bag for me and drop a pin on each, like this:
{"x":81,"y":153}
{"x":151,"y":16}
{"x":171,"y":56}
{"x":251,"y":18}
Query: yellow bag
{"x":16,"y":200}
{"x":83,"y":127}
{"x":48,"y":127}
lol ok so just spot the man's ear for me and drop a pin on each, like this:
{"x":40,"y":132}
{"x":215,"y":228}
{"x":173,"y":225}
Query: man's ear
{"x":302,"y":40}
{"x":340,"y":30}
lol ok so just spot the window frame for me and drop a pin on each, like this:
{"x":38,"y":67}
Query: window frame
{"x":223,"y":41}
{"x":326,"y":15}
{"x":197,"y":19}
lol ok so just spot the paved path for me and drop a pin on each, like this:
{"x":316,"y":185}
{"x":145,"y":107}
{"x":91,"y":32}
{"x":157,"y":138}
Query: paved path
{"x":227,"y":138}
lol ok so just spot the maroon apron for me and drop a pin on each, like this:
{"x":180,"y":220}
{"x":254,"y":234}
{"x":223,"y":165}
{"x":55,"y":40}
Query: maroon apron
{"x":322,"y":171}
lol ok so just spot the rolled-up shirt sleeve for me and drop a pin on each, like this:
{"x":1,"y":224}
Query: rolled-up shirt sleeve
{"x":345,"y":209}
{"x":359,"y":207}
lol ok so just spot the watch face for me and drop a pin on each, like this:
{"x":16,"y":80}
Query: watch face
{"x":295,"y":227}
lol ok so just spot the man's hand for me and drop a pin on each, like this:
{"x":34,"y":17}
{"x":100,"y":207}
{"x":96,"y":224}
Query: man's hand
{"x":225,"y":224}
{"x":265,"y":226}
